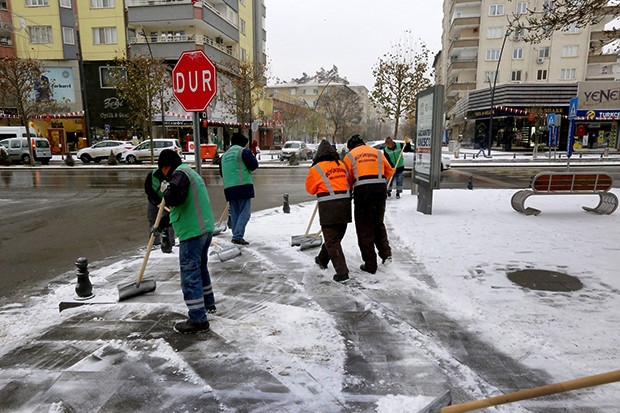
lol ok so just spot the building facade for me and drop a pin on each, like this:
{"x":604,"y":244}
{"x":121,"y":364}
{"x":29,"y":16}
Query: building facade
{"x":78,"y":40}
{"x":483,"y":64}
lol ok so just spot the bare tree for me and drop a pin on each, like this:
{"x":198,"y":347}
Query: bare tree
{"x":247,"y":81}
{"x":399,"y":76}
{"x":143,"y":83}
{"x":342,"y":107}
{"x":25,"y":87}
{"x":540,"y":23}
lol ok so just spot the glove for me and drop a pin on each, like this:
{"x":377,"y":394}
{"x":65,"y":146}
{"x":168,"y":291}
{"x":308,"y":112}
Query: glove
{"x":164,"y":185}
{"x":406,"y":140}
{"x":156,"y":231}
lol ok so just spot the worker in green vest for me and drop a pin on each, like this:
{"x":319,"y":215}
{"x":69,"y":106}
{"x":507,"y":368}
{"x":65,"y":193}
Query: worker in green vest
{"x":236,"y":167}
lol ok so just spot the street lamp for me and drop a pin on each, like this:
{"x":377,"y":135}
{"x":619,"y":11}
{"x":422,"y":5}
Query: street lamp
{"x":499,"y":60}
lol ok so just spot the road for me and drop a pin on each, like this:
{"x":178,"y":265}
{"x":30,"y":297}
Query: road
{"x":51,"y":217}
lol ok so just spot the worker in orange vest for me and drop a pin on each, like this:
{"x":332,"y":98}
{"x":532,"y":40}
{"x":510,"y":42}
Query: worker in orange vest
{"x":328,"y":180}
{"x":369,"y":172}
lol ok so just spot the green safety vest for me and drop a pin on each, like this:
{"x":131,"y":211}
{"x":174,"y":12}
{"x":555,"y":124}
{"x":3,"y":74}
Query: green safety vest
{"x":393,"y":154}
{"x":195,"y":216}
{"x":156,"y":184}
{"x":234,"y":172}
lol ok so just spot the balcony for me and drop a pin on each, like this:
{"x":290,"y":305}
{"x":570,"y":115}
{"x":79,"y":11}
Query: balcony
{"x":171,"y":46}
{"x":462,"y":63}
{"x":459,"y":88}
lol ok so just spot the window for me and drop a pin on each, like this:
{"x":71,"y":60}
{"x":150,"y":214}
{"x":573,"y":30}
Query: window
{"x":541,"y":74}
{"x":496,"y":10}
{"x":515,"y":76}
{"x":543,"y":52}
{"x":104,"y":35}
{"x":570,"y":51}
{"x":66,"y":4}
{"x":519,"y":34}
{"x":566,"y":74}
{"x":494,"y":33}
{"x":68,"y":35}
{"x":521,"y":7}
{"x":493,"y":54}
{"x":107,"y":75}
{"x":37,"y":3}
{"x":243,"y":55}
{"x":102,"y":4}
{"x":517,"y":53}
{"x":40,"y":34}
{"x":489,"y":77}
{"x":242,"y":26}
{"x":547,"y":5}
{"x":572,"y":29}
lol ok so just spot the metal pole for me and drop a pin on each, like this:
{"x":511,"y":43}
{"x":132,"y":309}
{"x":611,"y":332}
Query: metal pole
{"x":197,"y":155}
{"x":499,"y":60}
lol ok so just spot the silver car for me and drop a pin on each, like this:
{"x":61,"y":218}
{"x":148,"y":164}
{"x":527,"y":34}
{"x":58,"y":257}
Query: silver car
{"x":17,"y":149}
{"x":142,"y":152}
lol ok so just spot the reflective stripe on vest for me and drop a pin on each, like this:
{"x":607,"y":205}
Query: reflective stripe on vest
{"x":368,"y":179}
{"x":332,"y":195}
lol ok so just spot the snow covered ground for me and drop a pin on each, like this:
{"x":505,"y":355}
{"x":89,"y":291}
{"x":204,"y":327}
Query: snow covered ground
{"x":466,"y":248}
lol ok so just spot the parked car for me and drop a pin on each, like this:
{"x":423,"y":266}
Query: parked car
{"x":298,"y":148}
{"x":408,"y":156}
{"x":17,"y":149}
{"x":142,"y":152}
{"x":311,"y":149}
{"x":101,"y":151}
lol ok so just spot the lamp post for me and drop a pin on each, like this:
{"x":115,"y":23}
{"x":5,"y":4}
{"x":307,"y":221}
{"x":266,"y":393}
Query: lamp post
{"x":499,"y":60}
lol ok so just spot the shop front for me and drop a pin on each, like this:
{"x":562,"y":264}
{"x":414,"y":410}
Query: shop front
{"x":598,"y":113}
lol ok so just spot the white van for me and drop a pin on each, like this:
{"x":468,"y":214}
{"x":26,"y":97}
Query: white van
{"x":15,"y":141}
{"x":14,"y":132}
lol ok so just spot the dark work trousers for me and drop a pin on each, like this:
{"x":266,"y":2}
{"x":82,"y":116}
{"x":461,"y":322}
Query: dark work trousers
{"x":331,"y":248}
{"x":369,"y":212}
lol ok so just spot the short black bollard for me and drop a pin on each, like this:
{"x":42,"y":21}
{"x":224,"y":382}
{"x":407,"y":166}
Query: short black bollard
{"x":514,"y":156}
{"x":286,"y":207}
{"x":470,"y":183}
{"x":84,"y":288}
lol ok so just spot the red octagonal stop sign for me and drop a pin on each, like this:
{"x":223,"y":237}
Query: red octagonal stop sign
{"x":194,"y":81}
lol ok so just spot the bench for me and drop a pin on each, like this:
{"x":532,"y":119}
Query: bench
{"x":568,"y":183}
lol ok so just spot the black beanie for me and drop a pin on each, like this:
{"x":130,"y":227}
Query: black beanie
{"x":239,"y":139}
{"x":354,"y":141}
{"x":168,"y":157}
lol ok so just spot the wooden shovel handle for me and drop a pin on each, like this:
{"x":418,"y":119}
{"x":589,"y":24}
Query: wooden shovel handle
{"x":579,"y":383}
{"x":160,"y":213}
{"x":224,"y":213}
{"x":316,"y":207}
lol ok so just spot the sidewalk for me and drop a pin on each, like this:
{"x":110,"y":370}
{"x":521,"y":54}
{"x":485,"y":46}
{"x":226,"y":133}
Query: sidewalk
{"x":286,"y":338}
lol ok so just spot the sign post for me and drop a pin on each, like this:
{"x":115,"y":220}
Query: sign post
{"x":194,"y":84}
{"x":427,"y":156}
{"x":572,"y":114}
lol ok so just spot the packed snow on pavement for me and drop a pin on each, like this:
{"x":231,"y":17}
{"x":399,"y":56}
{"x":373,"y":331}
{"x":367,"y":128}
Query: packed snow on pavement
{"x":467,"y":245}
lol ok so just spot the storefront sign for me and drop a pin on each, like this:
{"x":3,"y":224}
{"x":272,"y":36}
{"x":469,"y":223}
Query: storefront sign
{"x":599,"y":95}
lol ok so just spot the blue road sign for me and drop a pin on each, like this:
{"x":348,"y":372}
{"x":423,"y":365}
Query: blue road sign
{"x":572,"y":108}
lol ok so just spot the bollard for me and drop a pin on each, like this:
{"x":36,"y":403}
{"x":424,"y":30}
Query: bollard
{"x":84,"y":288}
{"x":464,"y":156}
{"x":514,"y":156}
{"x":470,"y":183}
{"x":286,"y":208}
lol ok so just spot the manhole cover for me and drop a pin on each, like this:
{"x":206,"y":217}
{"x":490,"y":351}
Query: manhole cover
{"x":545,"y":280}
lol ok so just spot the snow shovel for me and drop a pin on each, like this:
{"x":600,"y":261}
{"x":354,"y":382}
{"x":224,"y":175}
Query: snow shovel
{"x":314,"y":242}
{"x":225,"y":254}
{"x":220,"y":226}
{"x":147,"y":285}
{"x":580,"y":383}
{"x":397,"y":161}
{"x":297,"y":240}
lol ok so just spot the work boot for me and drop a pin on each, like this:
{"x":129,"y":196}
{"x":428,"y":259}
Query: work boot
{"x":187,"y":327}
{"x":341,"y":277}
{"x":239,"y":241}
{"x":397,"y":196}
{"x":319,"y":263}
{"x":387,"y":260}
{"x":365,"y":268}
{"x":389,"y":194}
{"x":211,"y":309}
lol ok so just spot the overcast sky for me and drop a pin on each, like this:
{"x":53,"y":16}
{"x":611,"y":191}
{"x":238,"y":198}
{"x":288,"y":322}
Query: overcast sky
{"x":303,"y":36}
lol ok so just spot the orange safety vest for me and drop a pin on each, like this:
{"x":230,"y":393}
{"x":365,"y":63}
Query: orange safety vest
{"x":368,"y":165}
{"x":328,"y":180}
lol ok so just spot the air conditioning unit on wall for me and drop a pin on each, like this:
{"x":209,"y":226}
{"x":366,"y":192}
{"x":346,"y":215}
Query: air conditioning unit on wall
{"x":540,"y":60}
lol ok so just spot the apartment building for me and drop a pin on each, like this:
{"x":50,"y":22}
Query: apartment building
{"x":484,"y":64}
{"x":78,"y":40}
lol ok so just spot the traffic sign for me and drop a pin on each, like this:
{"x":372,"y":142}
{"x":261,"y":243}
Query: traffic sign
{"x":572,"y":108}
{"x":194,"y":81}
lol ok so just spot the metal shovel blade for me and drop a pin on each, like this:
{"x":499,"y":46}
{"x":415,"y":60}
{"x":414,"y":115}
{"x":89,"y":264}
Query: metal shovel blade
{"x":312,"y":243}
{"x":219,"y":228}
{"x":297,"y":240}
{"x":133,"y":289}
{"x":440,"y":402}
